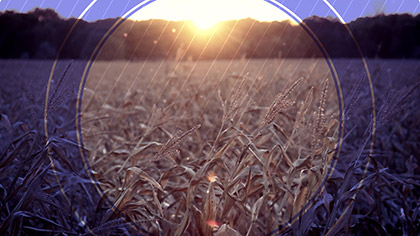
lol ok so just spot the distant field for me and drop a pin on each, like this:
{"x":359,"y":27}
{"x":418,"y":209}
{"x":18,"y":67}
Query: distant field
{"x":201,"y":148}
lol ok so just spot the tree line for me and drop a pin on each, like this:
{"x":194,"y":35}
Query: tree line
{"x":40,"y":33}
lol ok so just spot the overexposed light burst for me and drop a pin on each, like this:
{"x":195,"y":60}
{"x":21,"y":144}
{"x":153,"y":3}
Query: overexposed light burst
{"x":206,"y":13}
{"x":213,"y":223}
{"x":212,"y":177}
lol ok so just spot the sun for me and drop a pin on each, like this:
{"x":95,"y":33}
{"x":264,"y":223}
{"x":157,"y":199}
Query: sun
{"x":205,"y":14}
{"x":204,"y":23}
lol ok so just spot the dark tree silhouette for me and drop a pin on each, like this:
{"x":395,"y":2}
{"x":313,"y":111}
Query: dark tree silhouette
{"x":41,"y":32}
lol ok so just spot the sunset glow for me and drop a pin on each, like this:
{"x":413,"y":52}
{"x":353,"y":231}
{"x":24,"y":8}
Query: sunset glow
{"x":206,"y":13}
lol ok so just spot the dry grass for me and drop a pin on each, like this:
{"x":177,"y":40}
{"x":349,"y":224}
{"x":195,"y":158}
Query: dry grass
{"x":181,"y":152}
{"x":266,"y":172}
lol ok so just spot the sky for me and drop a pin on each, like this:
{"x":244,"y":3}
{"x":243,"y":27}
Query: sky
{"x":206,"y":13}
{"x":209,"y":11}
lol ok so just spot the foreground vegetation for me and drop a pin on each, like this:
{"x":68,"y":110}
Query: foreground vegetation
{"x":179,"y":149}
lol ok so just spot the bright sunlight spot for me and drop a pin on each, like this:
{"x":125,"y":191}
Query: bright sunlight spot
{"x":212,"y":177}
{"x":204,"y":23}
{"x":206,"y":13}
